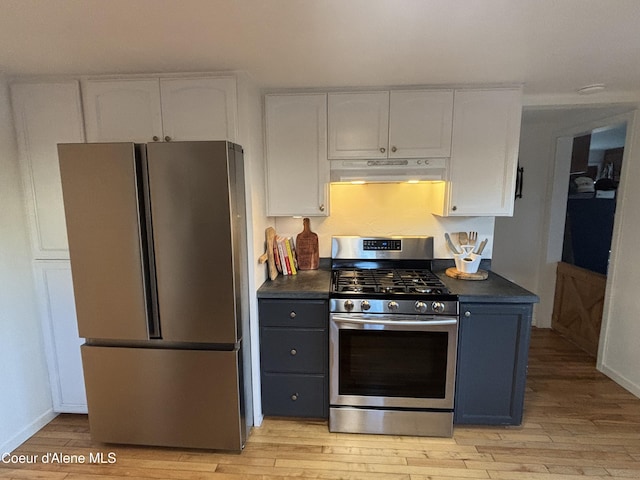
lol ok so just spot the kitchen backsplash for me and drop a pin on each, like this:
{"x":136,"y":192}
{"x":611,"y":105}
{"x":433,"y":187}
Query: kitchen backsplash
{"x":386,"y":209}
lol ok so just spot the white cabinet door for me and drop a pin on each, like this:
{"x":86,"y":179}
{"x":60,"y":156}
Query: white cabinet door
{"x":199,"y":108}
{"x":420,"y":123}
{"x":46,"y":114}
{"x":296,"y":147}
{"x":486,"y":134}
{"x":62,"y":344}
{"x":358,"y":125}
{"x":122,"y":110}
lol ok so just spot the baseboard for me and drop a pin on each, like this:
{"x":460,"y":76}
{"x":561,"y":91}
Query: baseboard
{"x":28,"y":431}
{"x":620,"y":380}
{"x":81,"y":409}
{"x":257,"y":420}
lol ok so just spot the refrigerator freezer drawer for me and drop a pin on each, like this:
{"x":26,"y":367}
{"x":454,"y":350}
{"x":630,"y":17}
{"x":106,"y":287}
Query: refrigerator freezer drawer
{"x":164,"y":397}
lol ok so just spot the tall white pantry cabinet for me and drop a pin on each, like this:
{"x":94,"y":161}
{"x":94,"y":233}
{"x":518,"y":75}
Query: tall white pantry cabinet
{"x":46,"y":114}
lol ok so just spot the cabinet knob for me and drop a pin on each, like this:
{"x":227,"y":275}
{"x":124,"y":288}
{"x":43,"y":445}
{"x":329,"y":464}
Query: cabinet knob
{"x":294,"y":397}
{"x":394,"y":149}
{"x":293,"y":352}
{"x":382,"y":149}
{"x":167,"y":138}
{"x":454,"y":208}
{"x":292,"y":314}
{"x":467,"y":313}
{"x":321,"y":208}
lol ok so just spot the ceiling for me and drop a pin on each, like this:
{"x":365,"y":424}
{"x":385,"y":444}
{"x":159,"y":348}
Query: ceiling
{"x":551,"y":46}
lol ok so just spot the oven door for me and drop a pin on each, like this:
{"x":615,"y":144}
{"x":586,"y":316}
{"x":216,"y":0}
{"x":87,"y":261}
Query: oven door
{"x":398,"y":361}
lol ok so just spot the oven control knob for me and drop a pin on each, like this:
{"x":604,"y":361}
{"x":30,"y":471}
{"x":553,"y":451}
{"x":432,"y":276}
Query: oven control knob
{"x":438,"y":307}
{"x":348,"y":305}
{"x":392,"y":305}
{"x":365,"y":305}
{"x":421,"y":307}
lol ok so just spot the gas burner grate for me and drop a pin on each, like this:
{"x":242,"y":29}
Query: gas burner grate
{"x":387,"y":281}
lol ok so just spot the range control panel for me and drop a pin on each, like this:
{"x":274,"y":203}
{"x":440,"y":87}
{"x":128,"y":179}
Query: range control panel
{"x":382,"y":244}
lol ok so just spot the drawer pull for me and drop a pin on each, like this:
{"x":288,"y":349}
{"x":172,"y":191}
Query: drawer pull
{"x":294,"y":397}
{"x":293,"y":352}
{"x":292,"y":314}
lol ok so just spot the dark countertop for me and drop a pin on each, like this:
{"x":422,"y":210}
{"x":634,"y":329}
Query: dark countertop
{"x":315,"y":284}
{"x":306,"y":284}
{"x":494,"y":289}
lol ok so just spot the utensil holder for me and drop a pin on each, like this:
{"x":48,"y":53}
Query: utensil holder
{"x":467,"y":263}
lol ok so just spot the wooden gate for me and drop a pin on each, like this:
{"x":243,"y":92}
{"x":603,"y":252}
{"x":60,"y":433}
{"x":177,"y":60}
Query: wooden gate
{"x":578,"y":304}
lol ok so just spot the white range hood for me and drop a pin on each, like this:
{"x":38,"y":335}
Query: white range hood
{"x":388,"y":170}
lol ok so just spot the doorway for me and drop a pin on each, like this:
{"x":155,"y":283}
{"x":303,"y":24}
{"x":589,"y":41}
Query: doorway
{"x":528,"y":246}
{"x":595,"y":169}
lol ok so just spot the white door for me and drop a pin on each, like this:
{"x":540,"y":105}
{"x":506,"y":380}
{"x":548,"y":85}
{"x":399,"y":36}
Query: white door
{"x":296,"y":147}
{"x":484,"y":151}
{"x":199,"y":108}
{"x":420,"y":123}
{"x":125,"y":110}
{"x":358,"y":125}
{"x":46,"y":114}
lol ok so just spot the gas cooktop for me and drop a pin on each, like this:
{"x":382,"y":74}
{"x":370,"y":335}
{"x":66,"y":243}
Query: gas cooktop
{"x":387,"y":281}
{"x":387,"y":275}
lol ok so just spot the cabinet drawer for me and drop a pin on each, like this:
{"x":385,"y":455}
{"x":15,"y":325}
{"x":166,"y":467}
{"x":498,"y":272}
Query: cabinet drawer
{"x":293,"y":313}
{"x":299,"y":350}
{"x":294,"y":395}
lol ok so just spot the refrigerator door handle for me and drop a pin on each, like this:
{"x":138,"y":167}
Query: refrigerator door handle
{"x":146,"y":237}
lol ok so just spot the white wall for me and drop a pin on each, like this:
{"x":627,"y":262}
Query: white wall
{"x":250,"y":137}
{"x":619,"y":350}
{"x":518,"y":238}
{"x":385,"y":209}
{"x":25,"y":395}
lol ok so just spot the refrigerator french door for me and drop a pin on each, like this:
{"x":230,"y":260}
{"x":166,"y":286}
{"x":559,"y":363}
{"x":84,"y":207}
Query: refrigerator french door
{"x":157,"y":248}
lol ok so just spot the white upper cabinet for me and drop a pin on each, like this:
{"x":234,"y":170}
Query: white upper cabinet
{"x":396,"y":124}
{"x":160,"y":109}
{"x":296,"y":149}
{"x":46,"y":114}
{"x":358,"y":125}
{"x":420,"y":123}
{"x":122,"y":110}
{"x":484,"y":153}
{"x":199,"y":108}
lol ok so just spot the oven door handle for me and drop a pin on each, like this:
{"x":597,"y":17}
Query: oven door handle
{"x":390,"y":323}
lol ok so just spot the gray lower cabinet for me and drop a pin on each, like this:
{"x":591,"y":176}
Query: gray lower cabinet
{"x":493,"y":349}
{"x":294,"y":354}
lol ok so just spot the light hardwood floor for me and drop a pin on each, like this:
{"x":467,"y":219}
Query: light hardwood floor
{"x":577,"y":423}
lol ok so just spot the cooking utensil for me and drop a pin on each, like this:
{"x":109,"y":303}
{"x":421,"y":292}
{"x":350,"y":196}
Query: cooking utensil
{"x":473,"y":238}
{"x":268,"y":257}
{"x":463,"y":238}
{"x":451,"y":245}
{"x":483,"y":244}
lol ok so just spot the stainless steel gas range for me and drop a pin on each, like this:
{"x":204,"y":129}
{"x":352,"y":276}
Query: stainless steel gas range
{"x":393,"y":338}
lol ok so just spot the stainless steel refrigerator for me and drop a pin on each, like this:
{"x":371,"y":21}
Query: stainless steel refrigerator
{"x":157,"y":240}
